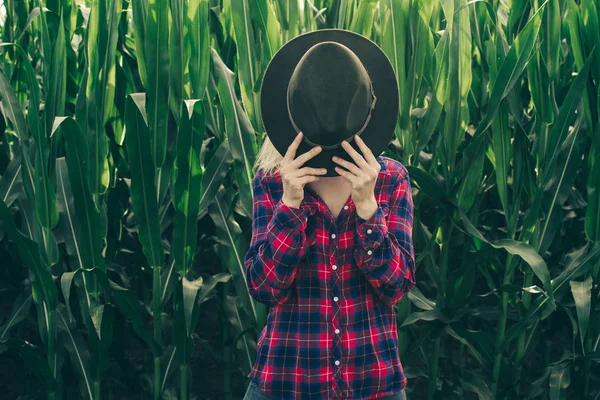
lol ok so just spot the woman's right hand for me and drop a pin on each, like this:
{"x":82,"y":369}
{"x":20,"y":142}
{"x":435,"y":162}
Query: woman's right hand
{"x":293,"y":177}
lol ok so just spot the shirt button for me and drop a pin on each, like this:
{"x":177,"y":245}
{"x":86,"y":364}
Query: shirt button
{"x":335,"y":298}
{"x":345,"y":207}
{"x":333,"y":235}
{"x":369,"y":231}
{"x":337,"y":362}
{"x":337,"y":331}
{"x":334,"y":267}
{"x":369,"y":252}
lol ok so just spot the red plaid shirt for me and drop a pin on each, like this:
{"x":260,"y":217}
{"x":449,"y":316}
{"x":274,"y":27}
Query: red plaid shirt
{"x":331,"y":285}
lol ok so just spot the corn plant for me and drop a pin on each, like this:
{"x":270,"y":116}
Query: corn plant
{"x":129,"y":130}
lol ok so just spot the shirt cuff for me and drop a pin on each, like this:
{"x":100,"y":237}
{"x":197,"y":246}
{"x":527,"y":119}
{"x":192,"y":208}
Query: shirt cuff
{"x":372,"y":231}
{"x":290,"y":217}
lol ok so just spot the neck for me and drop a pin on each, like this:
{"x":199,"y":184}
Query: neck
{"x":330,"y":183}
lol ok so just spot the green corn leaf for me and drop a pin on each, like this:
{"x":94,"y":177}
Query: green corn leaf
{"x":20,"y":310}
{"x":362,"y":21}
{"x":213,"y":176}
{"x":264,"y":16}
{"x":41,"y":188}
{"x":560,"y":379}
{"x":287,"y":14}
{"x":232,"y":248}
{"x":578,"y":263}
{"x":57,"y":84}
{"x":183,"y":341}
{"x":158,"y":67}
{"x":483,"y":361}
{"x":473,"y":382}
{"x":569,"y":106}
{"x":199,"y":41}
{"x":11,"y":182}
{"x":139,"y":15}
{"x":590,"y":27}
{"x":131,"y":307}
{"x":30,"y":255}
{"x":512,"y":67}
{"x":68,"y":229}
{"x":78,"y":351}
{"x":100,"y":84}
{"x":248,"y":70}
{"x":187,"y":186}
{"x":523,"y":250}
{"x":178,"y":55}
{"x":393,"y":38}
{"x":240,"y":133}
{"x":427,"y":183}
{"x":582,"y":294}
{"x":66,"y":280}
{"x":190,"y":294}
{"x":12,"y":109}
{"x":143,"y":189}
{"x":592,"y":212}
{"x":86,"y":210}
{"x":242,"y":326}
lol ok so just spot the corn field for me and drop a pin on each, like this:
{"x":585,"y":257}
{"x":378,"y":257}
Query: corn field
{"x":129,"y":130}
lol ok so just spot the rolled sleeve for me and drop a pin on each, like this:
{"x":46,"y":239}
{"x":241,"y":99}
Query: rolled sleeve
{"x":278,"y":244}
{"x":384,"y":250}
{"x":289,"y":217}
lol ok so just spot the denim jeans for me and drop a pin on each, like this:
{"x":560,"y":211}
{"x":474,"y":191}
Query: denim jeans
{"x":255,"y":393}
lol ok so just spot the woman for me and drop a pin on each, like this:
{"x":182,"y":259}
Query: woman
{"x":331,"y":250}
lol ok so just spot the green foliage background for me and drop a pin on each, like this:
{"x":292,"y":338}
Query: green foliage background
{"x":128,"y":135}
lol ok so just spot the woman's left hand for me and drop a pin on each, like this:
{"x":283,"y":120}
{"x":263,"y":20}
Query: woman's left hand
{"x":362,"y":174}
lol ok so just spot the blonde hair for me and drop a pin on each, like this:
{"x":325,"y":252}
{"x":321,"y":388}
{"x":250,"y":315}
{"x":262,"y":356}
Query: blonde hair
{"x":267,"y":158}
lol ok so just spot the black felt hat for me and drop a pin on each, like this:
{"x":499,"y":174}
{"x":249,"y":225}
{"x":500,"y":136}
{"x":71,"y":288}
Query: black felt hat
{"x":329,"y":84}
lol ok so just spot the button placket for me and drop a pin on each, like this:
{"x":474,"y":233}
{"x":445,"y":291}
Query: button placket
{"x":336,"y":292}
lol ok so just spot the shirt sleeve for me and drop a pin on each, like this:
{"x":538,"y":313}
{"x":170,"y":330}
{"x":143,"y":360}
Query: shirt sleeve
{"x":278,"y":244}
{"x":384,"y":252}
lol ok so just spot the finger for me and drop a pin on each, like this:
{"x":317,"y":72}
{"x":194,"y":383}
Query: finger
{"x":290,"y":154}
{"x":356,"y":156}
{"x":367,"y":153}
{"x":308,"y":178}
{"x":310,"y":171}
{"x":346,"y":174}
{"x":348,"y":165}
{"x":305,"y":157}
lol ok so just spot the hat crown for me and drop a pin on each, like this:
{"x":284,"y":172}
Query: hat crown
{"x":329,"y":94}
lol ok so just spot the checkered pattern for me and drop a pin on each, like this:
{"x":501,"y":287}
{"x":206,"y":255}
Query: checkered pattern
{"x":331,"y":285}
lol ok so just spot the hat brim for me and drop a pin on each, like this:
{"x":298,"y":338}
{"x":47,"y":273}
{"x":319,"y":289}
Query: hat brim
{"x":278,"y":126}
